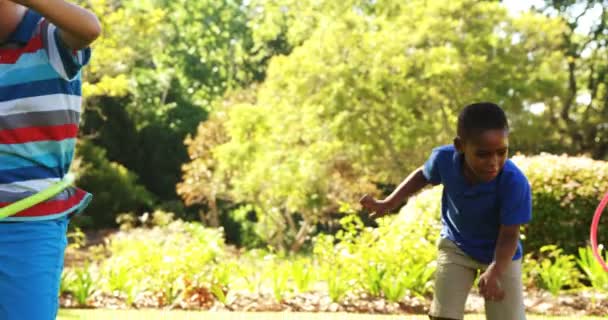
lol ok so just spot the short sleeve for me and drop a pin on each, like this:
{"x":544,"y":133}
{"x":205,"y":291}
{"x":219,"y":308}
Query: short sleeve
{"x":430,"y":170}
{"x":516,"y":202}
{"x":67,"y":62}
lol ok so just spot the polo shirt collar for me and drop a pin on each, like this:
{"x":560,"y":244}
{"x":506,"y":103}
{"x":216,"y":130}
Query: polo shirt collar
{"x":467,"y":188}
{"x":26,"y":28}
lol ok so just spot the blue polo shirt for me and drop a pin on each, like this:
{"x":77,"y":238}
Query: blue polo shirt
{"x":472,"y":214}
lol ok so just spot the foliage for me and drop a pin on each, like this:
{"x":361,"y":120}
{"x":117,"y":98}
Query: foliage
{"x":319,"y":129}
{"x":80,"y":282}
{"x":200,"y":184}
{"x":213,"y":48}
{"x":127,"y":95}
{"x":154,"y":74}
{"x":392,"y":260}
{"x":565,"y":192}
{"x":292,"y":109}
{"x":303,"y":274}
{"x":245,"y":234}
{"x":556,"y":270}
{"x":346,"y":108}
{"x":172,"y":261}
{"x":130,"y":28}
{"x":169,"y":258}
{"x":573,"y":119}
{"x":115,"y":189}
{"x":161,"y":259}
{"x":597,"y":276}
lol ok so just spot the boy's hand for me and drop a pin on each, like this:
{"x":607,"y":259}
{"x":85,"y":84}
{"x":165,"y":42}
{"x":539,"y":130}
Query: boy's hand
{"x":377,"y":208}
{"x":489,"y":286}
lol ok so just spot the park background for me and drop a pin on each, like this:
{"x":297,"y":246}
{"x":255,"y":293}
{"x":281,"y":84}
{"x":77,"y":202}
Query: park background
{"x":228,"y":142}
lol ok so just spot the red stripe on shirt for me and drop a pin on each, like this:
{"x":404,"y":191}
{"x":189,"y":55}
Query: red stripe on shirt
{"x":31,"y":134}
{"x":50,"y":207}
{"x":10,"y":56}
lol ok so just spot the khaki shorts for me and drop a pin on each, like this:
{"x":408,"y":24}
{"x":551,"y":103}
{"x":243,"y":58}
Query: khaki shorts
{"x":454,"y":278}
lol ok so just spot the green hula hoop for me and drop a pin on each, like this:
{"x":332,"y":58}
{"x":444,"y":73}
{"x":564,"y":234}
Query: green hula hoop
{"x":37,"y":198}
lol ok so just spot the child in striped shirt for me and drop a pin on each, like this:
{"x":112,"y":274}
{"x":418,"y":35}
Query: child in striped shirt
{"x":43,"y":46}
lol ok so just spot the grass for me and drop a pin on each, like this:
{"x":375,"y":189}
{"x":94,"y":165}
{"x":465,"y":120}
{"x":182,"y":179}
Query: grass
{"x":95,"y":314}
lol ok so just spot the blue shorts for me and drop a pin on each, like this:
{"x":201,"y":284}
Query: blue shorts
{"x":31,"y":262}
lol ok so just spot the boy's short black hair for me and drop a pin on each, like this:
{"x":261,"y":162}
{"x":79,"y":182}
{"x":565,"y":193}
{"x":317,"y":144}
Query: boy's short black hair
{"x":476,"y":118}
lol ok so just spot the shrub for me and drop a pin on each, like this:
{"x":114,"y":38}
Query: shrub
{"x":566,"y":190}
{"x":556,"y":271}
{"x":162,"y":259}
{"x":594,"y":272}
{"x":394,"y":259}
{"x":115,"y":189}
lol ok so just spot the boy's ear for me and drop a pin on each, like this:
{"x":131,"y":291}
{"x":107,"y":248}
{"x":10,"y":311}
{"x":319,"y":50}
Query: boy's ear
{"x":459,"y":144}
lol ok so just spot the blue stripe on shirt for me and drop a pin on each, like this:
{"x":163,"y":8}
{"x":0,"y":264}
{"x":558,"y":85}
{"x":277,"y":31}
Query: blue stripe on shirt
{"x":30,"y":173}
{"x":39,"y":148}
{"x":8,"y":162}
{"x":26,"y":60}
{"x":40,"y":88}
{"x":34,"y":73}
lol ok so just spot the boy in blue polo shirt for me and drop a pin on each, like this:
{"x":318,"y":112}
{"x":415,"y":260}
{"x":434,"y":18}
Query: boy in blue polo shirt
{"x":485,"y":200}
{"x":43,"y":46}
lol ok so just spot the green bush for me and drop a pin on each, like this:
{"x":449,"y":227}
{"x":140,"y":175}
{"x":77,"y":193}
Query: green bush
{"x":555,"y":270}
{"x":565,"y":192}
{"x":168,"y":258}
{"x":241,"y":228}
{"x":115,"y":189}
{"x":393,"y":260}
{"x":163,"y":259}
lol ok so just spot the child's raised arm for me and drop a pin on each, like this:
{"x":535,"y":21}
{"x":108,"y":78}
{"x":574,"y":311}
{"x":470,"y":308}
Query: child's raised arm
{"x":415,"y":182}
{"x":78,"y":27}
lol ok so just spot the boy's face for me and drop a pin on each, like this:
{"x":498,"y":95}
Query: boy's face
{"x":484,"y":155}
{"x":10,"y":16}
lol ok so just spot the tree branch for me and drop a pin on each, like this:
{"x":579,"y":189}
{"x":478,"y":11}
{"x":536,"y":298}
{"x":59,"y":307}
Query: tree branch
{"x":573,"y":25}
{"x":572,"y":89}
{"x":304,"y":231}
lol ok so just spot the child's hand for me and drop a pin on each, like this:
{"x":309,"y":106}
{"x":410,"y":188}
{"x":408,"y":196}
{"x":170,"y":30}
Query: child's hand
{"x":489,"y":286}
{"x":377,"y":208}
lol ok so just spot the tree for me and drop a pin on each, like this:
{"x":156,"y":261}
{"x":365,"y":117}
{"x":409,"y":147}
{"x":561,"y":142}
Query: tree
{"x":576,"y":112}
{"x":361,"y":101}
{"x":154,"y":75}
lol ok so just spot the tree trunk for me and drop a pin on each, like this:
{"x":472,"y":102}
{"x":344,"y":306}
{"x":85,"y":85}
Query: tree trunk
{"x":210,"y":218}
{"x":303,"y":233}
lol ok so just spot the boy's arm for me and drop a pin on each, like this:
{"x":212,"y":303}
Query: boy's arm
{"x":415,"y":182}
{"x":78,"y":27}
{"x":506,"y":245}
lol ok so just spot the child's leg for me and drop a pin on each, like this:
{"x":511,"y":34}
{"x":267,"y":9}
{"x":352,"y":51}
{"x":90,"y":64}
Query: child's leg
{"x":31,"y":261}
{"x":512,"y":306}
{"x":453,"y":280}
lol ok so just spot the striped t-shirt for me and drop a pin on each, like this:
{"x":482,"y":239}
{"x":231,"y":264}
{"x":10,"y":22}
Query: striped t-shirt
{"x":40,"y":100}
